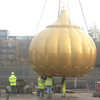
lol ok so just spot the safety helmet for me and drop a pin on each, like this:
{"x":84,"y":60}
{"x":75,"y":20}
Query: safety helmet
{"x":12,"y":73}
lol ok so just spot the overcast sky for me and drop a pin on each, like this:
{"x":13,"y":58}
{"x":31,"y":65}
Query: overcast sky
{"x":21,"y":16}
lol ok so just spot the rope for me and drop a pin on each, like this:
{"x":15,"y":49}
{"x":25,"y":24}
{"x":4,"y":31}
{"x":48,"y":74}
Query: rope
{"x":41,"y":15}
{"x":59,"y":7}
{"x":84,"y":18}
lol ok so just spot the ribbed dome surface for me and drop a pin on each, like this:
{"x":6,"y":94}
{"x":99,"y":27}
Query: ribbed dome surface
{"x":63,"y":50}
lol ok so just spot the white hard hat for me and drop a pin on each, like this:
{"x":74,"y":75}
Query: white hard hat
{"x":12,"y":72}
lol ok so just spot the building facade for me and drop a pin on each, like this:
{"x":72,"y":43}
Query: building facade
{"x":4,"y":34}
{"x":20,"y":37}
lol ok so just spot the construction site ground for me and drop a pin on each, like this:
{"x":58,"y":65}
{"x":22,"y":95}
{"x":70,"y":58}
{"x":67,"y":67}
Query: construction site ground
{"x":69,"y":96}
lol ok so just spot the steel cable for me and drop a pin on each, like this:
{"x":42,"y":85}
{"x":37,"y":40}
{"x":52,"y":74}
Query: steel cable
{"x":84,"y":18}
{"x":41,"y":15}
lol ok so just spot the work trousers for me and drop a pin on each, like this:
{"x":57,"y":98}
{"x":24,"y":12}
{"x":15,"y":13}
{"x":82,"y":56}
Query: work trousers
{"x":63,"y":87}
{"x":13,"y":89}
{"x":40,"y":92}
{"x":49,"y":90}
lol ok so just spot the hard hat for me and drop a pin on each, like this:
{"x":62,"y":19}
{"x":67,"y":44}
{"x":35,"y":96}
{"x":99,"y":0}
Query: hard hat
{"x":12,"y":72}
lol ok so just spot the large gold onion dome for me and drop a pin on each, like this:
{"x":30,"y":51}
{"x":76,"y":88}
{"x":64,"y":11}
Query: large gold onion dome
{"x":63,"y":50}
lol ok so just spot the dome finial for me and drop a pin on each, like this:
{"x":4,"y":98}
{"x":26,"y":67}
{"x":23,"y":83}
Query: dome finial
{"x":63,"y":4}
{"x":63,"y":8}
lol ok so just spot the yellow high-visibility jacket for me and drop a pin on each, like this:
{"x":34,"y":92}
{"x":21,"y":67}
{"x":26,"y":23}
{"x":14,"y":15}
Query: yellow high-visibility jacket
{"x":12,"y":80}
{"x":49,"y":81}
{"x":41,"y":83}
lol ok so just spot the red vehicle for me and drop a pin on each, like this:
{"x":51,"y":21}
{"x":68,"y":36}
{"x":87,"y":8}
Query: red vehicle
{"x":97,"y":88}
{"x":97,"y":85}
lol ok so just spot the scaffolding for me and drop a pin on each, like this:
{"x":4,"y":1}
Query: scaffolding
{"x":14,"y":56}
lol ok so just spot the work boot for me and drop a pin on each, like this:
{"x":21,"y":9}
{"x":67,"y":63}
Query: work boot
{"x":38,"y":92}
{"x":63,"y":96}
{"x":49,"y":97}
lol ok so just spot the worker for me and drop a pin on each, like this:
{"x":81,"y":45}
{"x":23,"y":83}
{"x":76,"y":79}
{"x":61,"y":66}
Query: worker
{"x":41,"y":86}
{"x":49,"y":83}
{"x":12,"y":81}
{"x":63,"y":87}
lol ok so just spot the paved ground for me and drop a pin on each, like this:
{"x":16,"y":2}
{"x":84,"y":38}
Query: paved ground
{"x":69,"y":96}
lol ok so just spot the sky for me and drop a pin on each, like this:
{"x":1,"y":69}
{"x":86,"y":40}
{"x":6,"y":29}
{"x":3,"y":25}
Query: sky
{"x":22,"y":17}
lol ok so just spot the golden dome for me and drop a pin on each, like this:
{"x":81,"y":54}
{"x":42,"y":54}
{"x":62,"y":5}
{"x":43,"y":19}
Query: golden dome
{"x":63,"y":50}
